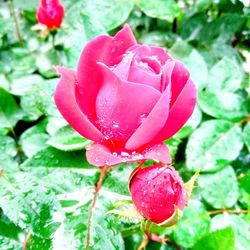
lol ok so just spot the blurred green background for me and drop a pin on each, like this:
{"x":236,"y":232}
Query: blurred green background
{"x":46,"y":184}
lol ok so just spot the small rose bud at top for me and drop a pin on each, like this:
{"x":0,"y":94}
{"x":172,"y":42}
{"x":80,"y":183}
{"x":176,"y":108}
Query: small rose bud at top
{"x":50,"y":13}
{"x":157,"y":192}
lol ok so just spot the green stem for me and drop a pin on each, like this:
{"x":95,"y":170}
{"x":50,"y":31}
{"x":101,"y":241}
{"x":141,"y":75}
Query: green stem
{"x":104,"y":170}
{"x":13,"y":14}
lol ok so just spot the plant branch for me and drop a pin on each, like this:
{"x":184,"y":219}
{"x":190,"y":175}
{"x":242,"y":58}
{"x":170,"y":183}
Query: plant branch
{"x":97,"y":189}
{"x":13,"y":14}
{"x":144,"y":242}
{"x":25,"y":244}
{"x":219,"y":211}
{"x":246,"y":119}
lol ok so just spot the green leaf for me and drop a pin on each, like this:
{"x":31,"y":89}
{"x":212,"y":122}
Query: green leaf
{"x":7,"y":145}
{"x":246,"y":135}
{"x":103,"y":233}
{"x":193,"y":60}
{"x":240,"y":227}
{"x":221,"y":29}
{"x":194,"y":224}
{"x":218,"y":105}
{"x":117,"y":11}
{"x":225,"y":75}
{"x":173,"y":144}
{"x":55,"y":123}
{"x":8,"y":228}
{"x":218,"y":240}
{"x":220,"y":190}
{"x":21,"y":85}
{"x":244,"y":181}
{"x":8,"y":244}
{"x":191,"y":124}
{"x":43,"y":97}
{"x":166,"y":10}
{"x":10,"y":113}
{"x":28,"y":206}
{"x":68,"y":139}
{"x":54,"y":158}
{"x":46,"y":60}
{"x":35,"y":243}
{"x":117,"y":179}
{"x":33,"y":139}
{"x":209,"y":148}
{"x":191,"y":25}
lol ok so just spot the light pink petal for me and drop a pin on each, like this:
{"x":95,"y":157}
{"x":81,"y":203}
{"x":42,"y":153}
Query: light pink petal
{"x":100,"y":155}
{"x":66,"y":103}
{"x":122,"y":69}
{"x":140,"y":50}
{"x":179,"y":112}
{"x":179,"y":78}
{"x":106,"y":49}
{"x":155,"y":120}
{"x":161,"y":54}
{"x":139,"y":75}
{"x":121,"y":106}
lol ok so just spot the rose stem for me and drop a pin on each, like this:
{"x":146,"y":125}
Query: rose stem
{"x":13,"y":14}
{"x":25,"y":244}
{"x":144,"y":242}
{"x":228,"y":211}
{"x":104,"y":170}
{"x":53,"y":34}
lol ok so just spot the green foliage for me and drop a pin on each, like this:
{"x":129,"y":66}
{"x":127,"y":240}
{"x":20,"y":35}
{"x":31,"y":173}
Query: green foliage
{"x":47,"y":186}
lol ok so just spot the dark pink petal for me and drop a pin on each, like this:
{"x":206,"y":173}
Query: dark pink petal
{"x":100,"y":155}
{"x":161,"y":54}
{"x":179,"y":78}
{"x":106,"y":49}
{"x":155,"y":120}
{"x":66,"y":103}
{"x":179,"y":113}
{"x":121,"y":106}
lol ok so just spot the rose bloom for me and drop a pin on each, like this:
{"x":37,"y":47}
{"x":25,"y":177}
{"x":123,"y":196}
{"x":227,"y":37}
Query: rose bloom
{"x":157,"y":191}
{"x":126,"y":97}
{"x":50,"y":13}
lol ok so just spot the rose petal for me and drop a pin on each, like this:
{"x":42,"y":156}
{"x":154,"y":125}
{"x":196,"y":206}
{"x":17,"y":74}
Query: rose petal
{"x":155,"y":120}
{"x":100,"y":155}
{"x":122,"y":69}
{"x":138,"y":75}
{"x":121,"y":106}
{"x":106,"y":49}
{"x":161,"y":54}
{"x":66,"y":103}
{"x":179,"y":112}
{"x":179,"y":78}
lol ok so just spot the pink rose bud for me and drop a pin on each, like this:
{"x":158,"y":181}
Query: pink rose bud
{"x":50,"y":13}
{"x":126,"y":97}
{"x":157,"y":192}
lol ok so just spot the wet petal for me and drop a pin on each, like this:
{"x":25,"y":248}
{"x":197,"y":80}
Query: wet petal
{"x":155,"y":120}
{"x":100,"y":155}
{"x":66,"y":103}
{"x":179,"y":112}
{"x":106,"y":49}
{"x":122,"y":106}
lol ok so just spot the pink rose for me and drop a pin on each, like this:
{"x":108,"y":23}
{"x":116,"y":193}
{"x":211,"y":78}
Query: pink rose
{"x":126,"y":97}
{"x":157,"y":191}
{"x":50,"y":13}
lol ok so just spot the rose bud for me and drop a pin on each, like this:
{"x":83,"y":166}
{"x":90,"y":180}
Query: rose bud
{"x":158,"y":193}
{"x":50,"y":13}
{"x":126,"y":97}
